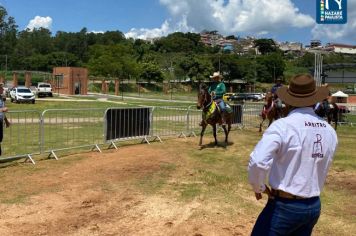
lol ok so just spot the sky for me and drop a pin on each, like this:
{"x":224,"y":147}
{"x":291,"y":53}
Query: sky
{"x":282,"y":20}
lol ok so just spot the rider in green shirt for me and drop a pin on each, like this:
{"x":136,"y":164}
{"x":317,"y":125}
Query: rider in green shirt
{"x":217,"y":89}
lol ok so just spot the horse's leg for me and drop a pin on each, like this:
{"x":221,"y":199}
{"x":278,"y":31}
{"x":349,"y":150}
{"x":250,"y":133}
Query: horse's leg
{"x":203,"y":127}
{"x":261,"y":125}
{"x":214,"y":133}
{"x":226,"y":133}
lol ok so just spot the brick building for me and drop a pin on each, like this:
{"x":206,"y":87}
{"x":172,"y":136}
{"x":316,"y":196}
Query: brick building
{"x":70,"y":80}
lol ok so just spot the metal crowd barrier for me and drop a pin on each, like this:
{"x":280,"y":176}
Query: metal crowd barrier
{"x":128,"y":123}
{"x":169,"y":121}
{"x":252,"y":114}
{"x":33,"y":133}
{"x":63,"y":129}
{"x":22,"y":138}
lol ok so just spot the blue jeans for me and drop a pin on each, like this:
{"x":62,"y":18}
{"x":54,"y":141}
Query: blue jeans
{"x":288,"y":217}
{"x":221,"y":104}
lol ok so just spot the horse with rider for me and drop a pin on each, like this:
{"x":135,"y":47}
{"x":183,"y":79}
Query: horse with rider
{"x":328,"y":110}
{"x":215,"y":110}
{"x":273,"y":108}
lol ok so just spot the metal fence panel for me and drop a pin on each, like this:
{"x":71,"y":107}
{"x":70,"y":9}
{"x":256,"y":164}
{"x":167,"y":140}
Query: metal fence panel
{"x":22,"y":138}
{"x":127,"y":123}
{"x":169,"y":121}
{"x":252,"y":114}
{"x":70,"y":128}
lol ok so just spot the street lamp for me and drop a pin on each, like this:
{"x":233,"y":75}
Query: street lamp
{"x":171,"y":69}
{"x":5,"y":68}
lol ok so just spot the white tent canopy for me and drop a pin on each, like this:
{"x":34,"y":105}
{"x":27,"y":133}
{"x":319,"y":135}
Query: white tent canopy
{"x":340,"y":94}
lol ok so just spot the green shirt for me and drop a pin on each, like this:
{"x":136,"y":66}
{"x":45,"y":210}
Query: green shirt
{"x":219,"y":89}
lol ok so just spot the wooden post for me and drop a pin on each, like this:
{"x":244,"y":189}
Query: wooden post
{"x":107,"y":87}
{"x":27,"y":79}
{"x":15,"y":80}
{"x":116,"y":87}
{"x":103,"y":86}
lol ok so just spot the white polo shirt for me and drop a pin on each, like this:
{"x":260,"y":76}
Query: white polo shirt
{"x":296,"y":151}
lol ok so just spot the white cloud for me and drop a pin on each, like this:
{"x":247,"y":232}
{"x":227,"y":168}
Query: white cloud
{"x":165,"y":29}
{"x":39,"y":21}
{"x":144,"y":33}
{"x":234,"y":16}
{"x":333,"y":33}
{"x":230,"y":17}
{"x":97,"y":32}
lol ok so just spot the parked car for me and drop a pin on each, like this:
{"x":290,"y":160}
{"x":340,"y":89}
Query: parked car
{"x":259,"y":96}
{"x":350,"y":90}
{"x":244,"y":97}
{"x":44,"y":89}
{"x":22,"y":94}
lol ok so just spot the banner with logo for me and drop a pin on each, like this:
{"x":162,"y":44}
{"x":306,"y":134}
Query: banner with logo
{"x":331,"y":11}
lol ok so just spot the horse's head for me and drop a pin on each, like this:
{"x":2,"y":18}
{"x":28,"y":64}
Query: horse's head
{"x":204,"y":97}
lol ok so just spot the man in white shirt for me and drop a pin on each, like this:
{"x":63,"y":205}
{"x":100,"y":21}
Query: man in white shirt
{"x":295,"y":153}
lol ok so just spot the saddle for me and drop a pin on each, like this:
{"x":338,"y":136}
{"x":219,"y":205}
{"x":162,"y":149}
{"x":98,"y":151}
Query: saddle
{"x":210,"y":111}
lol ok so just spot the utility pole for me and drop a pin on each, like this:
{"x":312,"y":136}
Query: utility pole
{"x":5,"y":69}
{"x":172,"y":78}
{"x":219,"y":62}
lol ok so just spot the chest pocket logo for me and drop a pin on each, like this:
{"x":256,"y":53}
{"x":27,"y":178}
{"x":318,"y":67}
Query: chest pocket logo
{"x":317,"y":147}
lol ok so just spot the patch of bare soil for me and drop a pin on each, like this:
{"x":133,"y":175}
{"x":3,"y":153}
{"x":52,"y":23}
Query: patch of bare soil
{"x":97,"y":195}
{"x":339,"y":180}
{"x":342,"y":180}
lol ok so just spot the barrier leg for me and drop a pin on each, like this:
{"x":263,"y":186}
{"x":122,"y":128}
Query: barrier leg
{"x":29,"y":158}
{"x":97,"y":148}
{"x":112,"y":144}
{"x":182,"y":134}
{"x":54,"y":155}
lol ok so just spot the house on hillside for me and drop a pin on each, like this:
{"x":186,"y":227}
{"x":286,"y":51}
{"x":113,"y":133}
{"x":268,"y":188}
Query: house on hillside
{"x":341,"y":48}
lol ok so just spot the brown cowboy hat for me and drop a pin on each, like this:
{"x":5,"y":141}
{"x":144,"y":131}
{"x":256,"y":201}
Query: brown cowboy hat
{"x":302,"y":91}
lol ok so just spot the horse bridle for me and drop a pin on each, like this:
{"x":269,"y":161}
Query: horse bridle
{"x":205,"y":103}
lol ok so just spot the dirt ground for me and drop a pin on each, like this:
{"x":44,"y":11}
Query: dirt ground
{"x":95,"y":194}
{"x":137,"y":190}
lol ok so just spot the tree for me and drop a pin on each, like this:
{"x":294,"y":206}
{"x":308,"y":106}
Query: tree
{"x":8,"y":31}
{"x":196,"y":67}
{"x":265,"y":46}
{"x":231,"y":37}
{"x":115,"y":60}
{"x":270,"y":67}
{"x":151,"y":72}
{"x":229,"y":66}
{"x":180,"y":42}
